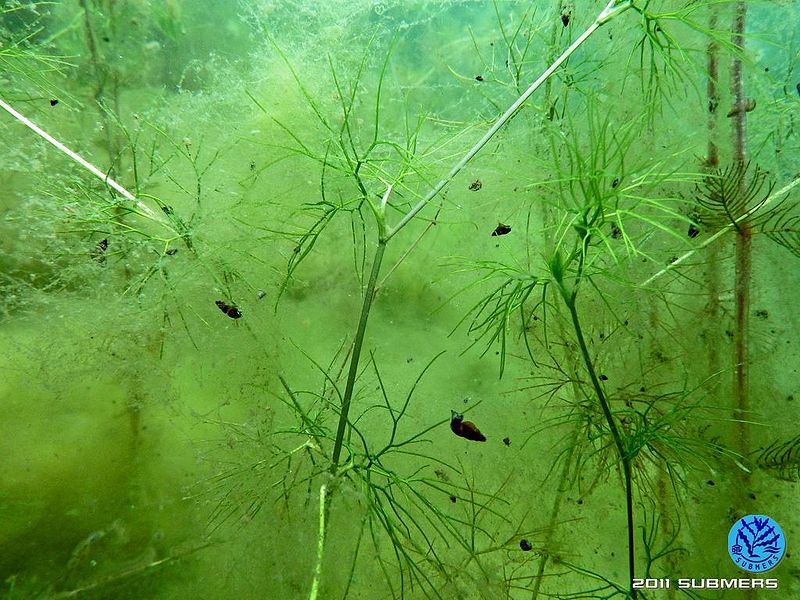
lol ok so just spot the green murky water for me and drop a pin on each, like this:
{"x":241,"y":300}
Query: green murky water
{"x":604,"y":290}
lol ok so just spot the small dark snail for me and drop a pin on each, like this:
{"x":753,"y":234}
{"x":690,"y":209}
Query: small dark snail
{"x":228,"y":309}
{"x":501,"y":229}
{"x":465,"y":429}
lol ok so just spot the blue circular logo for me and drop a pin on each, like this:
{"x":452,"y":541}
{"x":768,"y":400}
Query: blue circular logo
{"x":756,"y":543}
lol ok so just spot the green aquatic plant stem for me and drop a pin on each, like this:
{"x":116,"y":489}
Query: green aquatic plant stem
{"x":612,"y":9}
{"x":102,"y":73}
{"x":743,"y":234}
{"x":742,"y":278}
{"x":379,"y":212}
{"x":358,"y":344}
{"x":570,"y":299}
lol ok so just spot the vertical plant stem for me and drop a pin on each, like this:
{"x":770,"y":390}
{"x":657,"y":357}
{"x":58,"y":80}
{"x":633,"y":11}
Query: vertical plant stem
{"x":323,"y":510}
{"x":712,"y":93}
{"x":743,"y":237}
{"x":570,"y":300}
{"x":101,"y":75}
{"x":743,"y":254}
{"x":712,"y":162}
{"x":744,"y":244}
{"x":737,"y":85}
{"x":358,"y":344}
{"x":743,"y":265}
{"x":552,"y":520}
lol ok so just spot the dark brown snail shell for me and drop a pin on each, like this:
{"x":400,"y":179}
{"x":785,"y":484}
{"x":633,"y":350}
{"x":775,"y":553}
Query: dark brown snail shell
{"x":465,"y":429}
{"x":228,"y":309}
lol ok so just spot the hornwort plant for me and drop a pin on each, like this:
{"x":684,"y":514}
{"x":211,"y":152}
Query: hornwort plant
{"x":381,"y":172}
{"x":608,"y":214}
{"x":378,"y":168}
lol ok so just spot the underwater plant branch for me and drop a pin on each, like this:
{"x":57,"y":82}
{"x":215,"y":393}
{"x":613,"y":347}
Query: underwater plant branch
{"x":556,"y":507}
{"x":743,"y":276}
{"x":355,"y":356}
{"x":410,"y":249}
{"x":744,"y":248}
{"x":104,"y":177}
{"x":723,"y":230}
{"x":612,"y":9}
{"x":131,"y":573}
{"x":397,"y":415}
{"x":737,"y":83}
{"x":306,"y":94}
{"x":323,"y":494}
{"x":358,"y":342}
{"x":570,"y":297}
{"x":307,"y":422}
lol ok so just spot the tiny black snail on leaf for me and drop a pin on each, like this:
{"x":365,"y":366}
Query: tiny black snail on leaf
{"x":465,"y":429}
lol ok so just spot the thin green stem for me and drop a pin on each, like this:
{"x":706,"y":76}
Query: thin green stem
{"x":570,"y":300}
{"x":358,"y":344}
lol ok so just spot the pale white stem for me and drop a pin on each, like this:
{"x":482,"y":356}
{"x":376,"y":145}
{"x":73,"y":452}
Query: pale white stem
{"x":323,"y":498}
{"x":81,"y":161}
{"x":385,"y":198}
{"x":769,"y":200}
{"x":612,"y":9}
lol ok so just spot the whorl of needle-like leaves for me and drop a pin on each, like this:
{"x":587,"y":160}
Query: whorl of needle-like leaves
{"x":782,"y":459}
{"x":732,"y":196}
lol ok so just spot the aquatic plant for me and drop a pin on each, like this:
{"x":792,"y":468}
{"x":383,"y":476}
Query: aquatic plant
{"x":332,"y":443}
{"x":595,"y":233}
{"x":352,"y":161}
{"x":782,"y":459}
